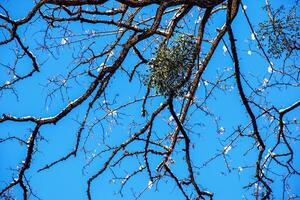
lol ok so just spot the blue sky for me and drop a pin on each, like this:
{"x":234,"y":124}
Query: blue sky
{"x":67,"y":180}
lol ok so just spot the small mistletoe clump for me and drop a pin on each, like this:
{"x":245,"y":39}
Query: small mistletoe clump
{"x":281,"y":32}
{"x":168,"y":70}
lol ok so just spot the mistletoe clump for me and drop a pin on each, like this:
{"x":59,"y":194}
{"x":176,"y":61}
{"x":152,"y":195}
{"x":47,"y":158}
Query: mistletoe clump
{"x":281,"y":32}
{"x":168,"y":70}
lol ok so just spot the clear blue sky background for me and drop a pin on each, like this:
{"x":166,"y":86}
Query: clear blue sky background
{"x":67,"y":180}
